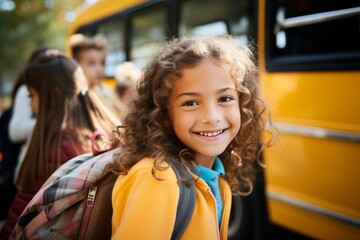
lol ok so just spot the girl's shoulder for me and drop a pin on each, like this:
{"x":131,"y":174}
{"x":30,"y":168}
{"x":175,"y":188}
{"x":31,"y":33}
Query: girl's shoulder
{"x":145,"y":167}
{"x":142,"y":173}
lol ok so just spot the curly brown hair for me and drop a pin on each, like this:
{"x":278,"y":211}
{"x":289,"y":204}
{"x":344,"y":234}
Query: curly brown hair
{"x":149,"y":133}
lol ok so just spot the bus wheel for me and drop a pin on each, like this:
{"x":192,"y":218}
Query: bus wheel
{"x":236,"y":218}
{"x":249,"y":216}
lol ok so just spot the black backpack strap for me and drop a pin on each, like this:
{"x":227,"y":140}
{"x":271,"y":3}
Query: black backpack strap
{"x":186,"y":203}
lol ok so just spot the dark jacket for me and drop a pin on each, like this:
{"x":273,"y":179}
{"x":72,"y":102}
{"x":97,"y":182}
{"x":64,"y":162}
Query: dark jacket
{"x":23,"y":198}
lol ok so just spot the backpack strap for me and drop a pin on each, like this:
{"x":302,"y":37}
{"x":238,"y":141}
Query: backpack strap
{"x":186,"y":202}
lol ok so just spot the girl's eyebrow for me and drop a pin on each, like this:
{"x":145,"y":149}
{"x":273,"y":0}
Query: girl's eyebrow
{"x":192,"y":94}
{"x":226,"y":89}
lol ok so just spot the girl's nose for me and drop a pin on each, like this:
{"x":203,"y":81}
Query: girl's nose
{"x":210,"y":114}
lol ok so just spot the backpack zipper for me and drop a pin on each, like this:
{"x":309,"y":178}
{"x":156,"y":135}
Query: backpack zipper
{"x":91,"y":197}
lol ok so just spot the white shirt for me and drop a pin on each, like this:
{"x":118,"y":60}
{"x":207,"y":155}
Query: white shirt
{"x":22,"y":123}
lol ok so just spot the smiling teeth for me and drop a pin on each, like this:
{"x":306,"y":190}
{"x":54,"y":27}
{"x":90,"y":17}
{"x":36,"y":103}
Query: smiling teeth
{"x":211,"y":134}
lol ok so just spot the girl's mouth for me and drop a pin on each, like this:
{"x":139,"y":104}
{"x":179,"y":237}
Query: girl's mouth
{"x":211,"y":134}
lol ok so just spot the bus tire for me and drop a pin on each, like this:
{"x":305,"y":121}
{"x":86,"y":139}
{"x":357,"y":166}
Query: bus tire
{"x":249,"y":215}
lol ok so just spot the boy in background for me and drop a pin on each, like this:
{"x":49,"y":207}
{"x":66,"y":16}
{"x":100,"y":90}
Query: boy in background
{"x":90,"y":53}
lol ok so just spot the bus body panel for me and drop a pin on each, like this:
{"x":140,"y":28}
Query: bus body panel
{"x":308,"y":163}
{"x":312,"y":171}
{"x":324,"y":99}
{"x":100,"y":10}
{"x":310,"y":224}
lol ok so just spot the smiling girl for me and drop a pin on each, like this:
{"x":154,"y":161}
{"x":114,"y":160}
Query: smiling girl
{"x":198,"y":104}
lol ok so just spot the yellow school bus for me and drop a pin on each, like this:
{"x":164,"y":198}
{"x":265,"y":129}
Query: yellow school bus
{"x":308,"y":55}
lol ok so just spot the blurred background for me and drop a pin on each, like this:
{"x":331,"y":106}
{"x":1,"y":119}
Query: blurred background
{"x":26,"y":25}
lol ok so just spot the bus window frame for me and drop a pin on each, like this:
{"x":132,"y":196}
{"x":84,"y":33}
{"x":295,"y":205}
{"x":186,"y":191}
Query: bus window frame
{"x":305,"y":62}
{"x":173,"y":10}
{"x":253,"y":26}
{"x":127,"y":16}
{"x":135,"y":14}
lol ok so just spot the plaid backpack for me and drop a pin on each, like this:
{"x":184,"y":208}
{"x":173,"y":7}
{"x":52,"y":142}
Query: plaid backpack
{"x":75,"y":202}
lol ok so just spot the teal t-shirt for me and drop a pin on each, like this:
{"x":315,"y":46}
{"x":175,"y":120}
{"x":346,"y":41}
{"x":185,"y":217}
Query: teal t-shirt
{"x":211,"y":177}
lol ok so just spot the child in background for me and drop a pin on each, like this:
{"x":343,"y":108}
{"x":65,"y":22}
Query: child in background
{"x":90,"y":53}
{"x":67,"y":113}
{"x":16,"y":133}
{"x":126,"y":76}
{"x":23,"y":119}
{"x":199,"y":104}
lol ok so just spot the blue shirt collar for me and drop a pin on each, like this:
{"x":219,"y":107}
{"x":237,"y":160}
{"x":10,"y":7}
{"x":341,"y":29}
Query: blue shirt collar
{"x":208,"y":174}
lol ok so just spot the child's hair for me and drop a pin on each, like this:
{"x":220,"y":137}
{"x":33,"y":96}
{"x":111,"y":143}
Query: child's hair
{"x":20,"y":79}
{"x":80,"y":43}
{"x":149,"y":133}
{"x":126,"y":76}
{"x":66,"y":108}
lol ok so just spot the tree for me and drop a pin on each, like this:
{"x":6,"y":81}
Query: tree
{"x":30,"y":24}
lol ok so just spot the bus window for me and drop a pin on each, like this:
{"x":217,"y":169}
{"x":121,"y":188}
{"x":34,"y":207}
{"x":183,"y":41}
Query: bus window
{"x":148,"y":34}
{"x":215,"y":18}
{"x":308,"y":34}
{"x":216,"y":28}
{"x":113,"y":31}
{"x":86,"y":32}
{"x":240,"y":28}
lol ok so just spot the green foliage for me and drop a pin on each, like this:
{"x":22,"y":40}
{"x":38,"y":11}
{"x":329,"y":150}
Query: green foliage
{"x":31,"y":24}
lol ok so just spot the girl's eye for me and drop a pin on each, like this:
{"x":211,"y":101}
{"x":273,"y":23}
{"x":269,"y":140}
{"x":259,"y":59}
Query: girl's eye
{"x":189,"y":104}
{"x":226,"y":99}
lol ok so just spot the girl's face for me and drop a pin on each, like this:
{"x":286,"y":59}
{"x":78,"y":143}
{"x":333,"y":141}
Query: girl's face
{"x":93,"y":63}
{"x":34,"y":100}
{"x":204,"y":110}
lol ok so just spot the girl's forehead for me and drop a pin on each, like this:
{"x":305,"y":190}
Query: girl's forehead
{"x":202,"y":74}
{"x":92,"y":53}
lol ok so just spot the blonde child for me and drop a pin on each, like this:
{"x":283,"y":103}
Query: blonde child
{"x":90,"y":53}
{"x":199,"y":104}
{"x":67,"y":114}
{"x":126,"y":76}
